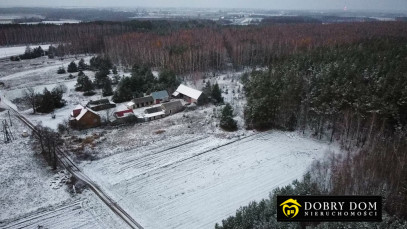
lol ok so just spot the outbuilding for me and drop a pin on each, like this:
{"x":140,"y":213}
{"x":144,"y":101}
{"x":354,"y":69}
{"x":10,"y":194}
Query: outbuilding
{"x":101,"y":104}
{"x":172,"y":107}
{"x":160,"y":96}
{"x":123,"y":111}
{"x":141,"y":102}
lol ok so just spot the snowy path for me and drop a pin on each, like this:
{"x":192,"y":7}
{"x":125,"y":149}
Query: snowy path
{"x":199,"y":183}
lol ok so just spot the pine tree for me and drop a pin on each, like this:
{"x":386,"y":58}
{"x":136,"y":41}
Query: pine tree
{"x":72,"y":67}
{"x":82,"y":65}
{"x":114,"y":70}
{"x":123,"y":91}
{"x":79,"y":82}
{"x":168,"y":80}
{"x":51,"y":52}
{"x":100,"y":78}
{"x":217,"y":94}
{"x":207,"y":89}
{"x":87,"y":86}
{"x":47,"y":102}
{"x":226,"y":120}
{"x":107,"y":87}
{"x":116,"y":79}
{"x":81,"y":73}
{"x":57,"y":97}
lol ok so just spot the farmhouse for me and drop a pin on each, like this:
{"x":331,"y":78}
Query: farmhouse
{"x":83,"y":118}
{"x":172,"y":107}
{"x":188,"y":94}
{"x":160,"y":96}
{"x":102,"y":104}
{"x":141,"y":102}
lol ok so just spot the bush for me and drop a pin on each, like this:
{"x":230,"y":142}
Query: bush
{"x":61,"y":70}
{"x":61,"y":128}
{"x":89,"y":93}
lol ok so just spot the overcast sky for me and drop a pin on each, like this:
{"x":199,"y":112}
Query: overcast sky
{"x":385,"y":5}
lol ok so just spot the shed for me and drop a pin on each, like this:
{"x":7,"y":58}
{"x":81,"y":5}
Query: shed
{"x":153,"y":110}
{"x":101,"y":104}
{"x":141,"y":102}
{"x":154,"y":116}
{"x":172,"y":107}
{"x":123,"y":111}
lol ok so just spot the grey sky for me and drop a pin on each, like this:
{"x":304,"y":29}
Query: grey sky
{"x":385,"y":5}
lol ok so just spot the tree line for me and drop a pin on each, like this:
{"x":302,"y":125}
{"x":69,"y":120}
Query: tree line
{"x":191,"y":46}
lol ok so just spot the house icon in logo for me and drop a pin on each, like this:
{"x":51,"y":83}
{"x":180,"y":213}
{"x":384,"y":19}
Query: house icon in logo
{"x":290,"y":208}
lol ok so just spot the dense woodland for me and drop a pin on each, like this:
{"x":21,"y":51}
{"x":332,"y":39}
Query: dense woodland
{"x":355,"y":94}
{"x":190,"y":46}
{"x":203,"y":49}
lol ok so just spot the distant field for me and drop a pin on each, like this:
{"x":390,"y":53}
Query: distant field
{"x":17,"y":50}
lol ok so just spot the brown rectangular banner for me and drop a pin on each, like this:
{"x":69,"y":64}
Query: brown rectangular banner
{"x":329,"y":208}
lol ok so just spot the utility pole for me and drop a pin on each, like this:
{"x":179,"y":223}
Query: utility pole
{"x":8,"y":136}
{"x":55,"y":156}
{"x":11,"y":124}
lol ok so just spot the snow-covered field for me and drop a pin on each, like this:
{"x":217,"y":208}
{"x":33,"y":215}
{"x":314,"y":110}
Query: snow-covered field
{"x":198,"y":181}
{"x":17,"y":50}
{"x":39,"y":72}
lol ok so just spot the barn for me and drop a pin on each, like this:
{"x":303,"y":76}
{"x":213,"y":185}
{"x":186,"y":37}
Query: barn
{"x":190,"y":95}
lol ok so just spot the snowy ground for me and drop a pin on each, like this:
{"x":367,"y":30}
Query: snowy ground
{"x":85,"y":212}
{"x":17,"y":50}
{"x":197,"y":181}
{"x":181,"y":171}
{"x":32,"y":194}
{"x":38,"y":72}
{"x":33,"y":180}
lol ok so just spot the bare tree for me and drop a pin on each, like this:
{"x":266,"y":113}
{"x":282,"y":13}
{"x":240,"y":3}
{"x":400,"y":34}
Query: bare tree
{"x":47,"y":139}
{"x":31,"y":97}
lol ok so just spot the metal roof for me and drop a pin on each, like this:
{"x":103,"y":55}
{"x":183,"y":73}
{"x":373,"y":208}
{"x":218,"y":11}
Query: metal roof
{"x":143,"y":99}
{"x":172,"y":105}
{"x":160,"y":94}
{"x":190,"y":92}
